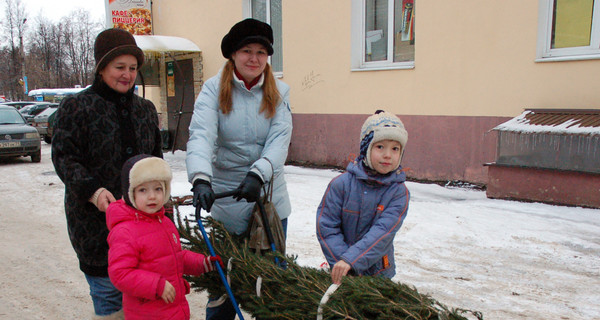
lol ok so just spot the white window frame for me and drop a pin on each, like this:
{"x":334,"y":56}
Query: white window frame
{"x":357,"y":31}
{"x":546,"y":53}
{"x":247,"y":13}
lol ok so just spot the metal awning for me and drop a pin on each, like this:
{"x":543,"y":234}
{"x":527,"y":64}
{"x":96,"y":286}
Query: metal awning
{"x":557,"y":121}
{"x":165,"y":44}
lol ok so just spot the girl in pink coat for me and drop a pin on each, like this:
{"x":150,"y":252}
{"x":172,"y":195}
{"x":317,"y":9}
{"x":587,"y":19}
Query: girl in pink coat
{"x":145,"y":259}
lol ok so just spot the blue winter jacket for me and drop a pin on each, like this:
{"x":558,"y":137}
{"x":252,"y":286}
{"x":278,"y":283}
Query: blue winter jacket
{"x":222,"y":148}
{"x":358,"y":218}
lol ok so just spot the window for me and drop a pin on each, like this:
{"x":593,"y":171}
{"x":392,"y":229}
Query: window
{"x":568,"y":30}
{"x":383,"y":34}
{"x":269,"y":11}
{"x":149,"y":73}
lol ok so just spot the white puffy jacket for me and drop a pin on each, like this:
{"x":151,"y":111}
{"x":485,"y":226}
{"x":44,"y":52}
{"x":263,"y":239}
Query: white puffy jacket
{"x":223,"y":148}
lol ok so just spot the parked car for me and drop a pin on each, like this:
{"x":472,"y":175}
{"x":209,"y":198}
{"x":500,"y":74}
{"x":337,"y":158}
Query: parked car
{"x":33,"y":110}
{"x":20,"y":104}
{"x":44,"y":122}
{"x":17,"y":138}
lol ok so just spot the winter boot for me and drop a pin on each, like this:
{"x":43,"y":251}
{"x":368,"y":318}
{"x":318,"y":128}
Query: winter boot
{"x":114,"y":316}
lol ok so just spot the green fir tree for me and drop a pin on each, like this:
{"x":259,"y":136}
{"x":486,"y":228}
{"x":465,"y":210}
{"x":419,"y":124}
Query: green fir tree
{"x":294,"y":292}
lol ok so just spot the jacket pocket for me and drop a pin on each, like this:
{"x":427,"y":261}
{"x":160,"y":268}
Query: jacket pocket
{"x":186,"y":286}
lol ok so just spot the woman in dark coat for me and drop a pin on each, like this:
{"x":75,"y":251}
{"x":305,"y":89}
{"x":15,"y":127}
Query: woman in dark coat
{"x":96,"y":131}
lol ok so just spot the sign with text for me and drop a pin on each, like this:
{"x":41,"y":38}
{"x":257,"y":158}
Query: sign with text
{"x":134,"y":16}
{"x":170,"y":79}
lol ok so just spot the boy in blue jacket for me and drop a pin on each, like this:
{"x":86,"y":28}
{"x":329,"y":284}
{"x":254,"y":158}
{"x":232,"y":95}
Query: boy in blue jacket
{"x":363,"y":208}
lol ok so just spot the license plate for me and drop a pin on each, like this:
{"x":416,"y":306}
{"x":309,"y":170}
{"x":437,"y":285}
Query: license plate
{"x":11,"y":144}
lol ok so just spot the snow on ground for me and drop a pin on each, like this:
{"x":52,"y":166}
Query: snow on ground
{"x":507,"y":259}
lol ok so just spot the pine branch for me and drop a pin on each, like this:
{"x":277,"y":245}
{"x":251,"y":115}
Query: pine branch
{"x":294,"y":292}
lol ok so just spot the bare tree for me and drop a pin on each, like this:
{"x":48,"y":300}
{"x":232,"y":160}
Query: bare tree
{"x":42,"y":51}
{"x":52,"y":55}
{"x":79,"y":36}
{"x":48,"y":59}
{"x":60,"y":65}
{"x":14,"y":29}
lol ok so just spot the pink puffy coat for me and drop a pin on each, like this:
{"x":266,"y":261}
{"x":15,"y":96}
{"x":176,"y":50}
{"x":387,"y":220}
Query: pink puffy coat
{"x":144,"y":252}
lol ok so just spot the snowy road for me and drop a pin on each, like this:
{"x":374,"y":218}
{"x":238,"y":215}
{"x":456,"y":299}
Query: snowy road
{"x":509,"y":260}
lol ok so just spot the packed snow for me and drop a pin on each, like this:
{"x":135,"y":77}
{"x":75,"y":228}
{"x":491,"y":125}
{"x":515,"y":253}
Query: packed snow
{"x":506,"y":259}
{"x":520,"y":123}
{"x":157,"y":43}
{"x":58,"y":92}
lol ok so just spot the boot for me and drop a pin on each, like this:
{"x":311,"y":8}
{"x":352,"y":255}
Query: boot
{"x":114,"y":316}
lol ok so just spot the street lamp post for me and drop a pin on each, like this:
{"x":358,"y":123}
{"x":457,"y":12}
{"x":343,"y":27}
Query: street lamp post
{"x":23,"y":74}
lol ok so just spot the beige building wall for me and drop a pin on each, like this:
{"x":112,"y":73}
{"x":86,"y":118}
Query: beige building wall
{"x":475,"y":67}
{"x":472,"y":58}
{"x":153,"y":93}
{"x":204,"y":22}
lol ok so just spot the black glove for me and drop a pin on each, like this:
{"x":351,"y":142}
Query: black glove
{"x":250,"y":188}
{"x":203,"y":194}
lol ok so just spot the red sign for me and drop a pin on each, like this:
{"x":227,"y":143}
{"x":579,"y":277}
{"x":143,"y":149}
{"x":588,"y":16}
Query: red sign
{"x":134,"y":16}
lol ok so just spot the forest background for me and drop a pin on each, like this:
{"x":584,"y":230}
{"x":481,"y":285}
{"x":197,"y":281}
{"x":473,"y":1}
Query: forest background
{"x":47,"y":53}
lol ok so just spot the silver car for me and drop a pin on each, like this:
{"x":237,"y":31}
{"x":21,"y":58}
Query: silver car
{"x":44,"y":122}
{"x":20,"y":104}
{"x":17,"y":138}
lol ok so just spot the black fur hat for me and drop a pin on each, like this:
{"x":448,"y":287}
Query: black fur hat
{"x":112,"y":43}
{"x":245,"y":32}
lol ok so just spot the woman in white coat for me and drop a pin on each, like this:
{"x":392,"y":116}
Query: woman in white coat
{"x":239,"y":135}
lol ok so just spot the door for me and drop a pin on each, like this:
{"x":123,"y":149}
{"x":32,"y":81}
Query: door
{"x":180,"y":101}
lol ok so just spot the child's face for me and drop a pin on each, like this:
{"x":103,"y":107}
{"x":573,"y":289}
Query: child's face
{"x":385,"y":156}
{"x":149,"y":196}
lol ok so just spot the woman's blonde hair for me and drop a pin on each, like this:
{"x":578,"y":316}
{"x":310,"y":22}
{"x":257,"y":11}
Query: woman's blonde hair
{"x":270,"y":93}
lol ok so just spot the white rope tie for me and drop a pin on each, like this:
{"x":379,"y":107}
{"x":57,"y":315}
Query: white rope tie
{"x":258,"y":285}
{"x":325,"y":298}
{"x":229,"y":267}
{"x":218,"y":302}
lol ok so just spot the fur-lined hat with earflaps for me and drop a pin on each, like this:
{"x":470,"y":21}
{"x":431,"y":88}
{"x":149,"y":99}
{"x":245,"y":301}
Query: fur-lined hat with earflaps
{"x":141,"y":169}
{"x":381,"y":126}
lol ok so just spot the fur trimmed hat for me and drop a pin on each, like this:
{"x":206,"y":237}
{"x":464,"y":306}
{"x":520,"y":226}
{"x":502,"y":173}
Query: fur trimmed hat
{"x":245,"y":32}
{"x":381,"y":126}
{"x":141,"y":169}
{"x":112,"y":43}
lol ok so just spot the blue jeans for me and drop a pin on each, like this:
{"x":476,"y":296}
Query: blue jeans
{"x":223,"y":312}
{"x":226,"y":311}
{"x":106,"y":298}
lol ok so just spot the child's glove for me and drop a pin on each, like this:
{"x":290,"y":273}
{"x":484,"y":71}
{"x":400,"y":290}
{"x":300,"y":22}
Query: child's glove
{"x":209,"y":263}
